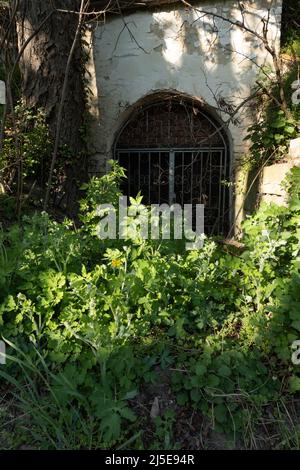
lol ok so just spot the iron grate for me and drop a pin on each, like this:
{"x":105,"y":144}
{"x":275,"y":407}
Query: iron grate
{"x":184,"y":176}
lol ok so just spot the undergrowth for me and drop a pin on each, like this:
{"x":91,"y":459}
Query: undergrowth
{"x":138,"y":344}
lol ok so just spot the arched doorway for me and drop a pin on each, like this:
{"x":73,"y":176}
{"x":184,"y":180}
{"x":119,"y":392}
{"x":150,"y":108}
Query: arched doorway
{"x":175,"y":151}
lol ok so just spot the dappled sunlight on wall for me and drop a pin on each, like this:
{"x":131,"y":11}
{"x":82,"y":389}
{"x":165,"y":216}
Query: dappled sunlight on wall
{"x":173,"y":47}
{"x":184,"y":50}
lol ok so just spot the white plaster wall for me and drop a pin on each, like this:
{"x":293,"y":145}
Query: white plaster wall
{"x":180,"y":49}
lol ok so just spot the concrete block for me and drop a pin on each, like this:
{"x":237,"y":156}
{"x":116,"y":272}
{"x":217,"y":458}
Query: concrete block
{"x":274,"y":175}
{"x":273,"y":188}
{"x":294,"y":151}
{"x":273,"y":198}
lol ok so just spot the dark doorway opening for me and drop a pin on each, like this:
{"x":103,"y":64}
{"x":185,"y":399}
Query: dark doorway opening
{"x":174,"y":152}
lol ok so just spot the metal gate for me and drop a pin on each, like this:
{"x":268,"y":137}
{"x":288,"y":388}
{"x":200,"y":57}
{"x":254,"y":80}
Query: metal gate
{"x":176,"y":152}
{"x":183,"y":176}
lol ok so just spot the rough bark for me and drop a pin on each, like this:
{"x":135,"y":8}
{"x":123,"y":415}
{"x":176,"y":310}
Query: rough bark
{"x":43,"y":66}
{"x":44,"y":62}
{"x":8,"y":40}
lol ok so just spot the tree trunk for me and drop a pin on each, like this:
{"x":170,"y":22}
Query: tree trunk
{"x":43,"y":66}
{"x":8,"y":45}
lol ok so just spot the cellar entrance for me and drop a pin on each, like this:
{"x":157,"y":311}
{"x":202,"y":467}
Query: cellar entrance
{"x":174,"y":152}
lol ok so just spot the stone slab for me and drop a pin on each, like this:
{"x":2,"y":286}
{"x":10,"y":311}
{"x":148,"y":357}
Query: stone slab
{"x":274,"y":199}
{"x":273,"y":177}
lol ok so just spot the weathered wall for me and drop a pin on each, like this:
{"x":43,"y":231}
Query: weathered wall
{"x":176,"y":48}
{"x":273,"y":176}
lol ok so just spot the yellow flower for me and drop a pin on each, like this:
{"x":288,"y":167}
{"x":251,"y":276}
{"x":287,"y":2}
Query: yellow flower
{"x":116,"y":263}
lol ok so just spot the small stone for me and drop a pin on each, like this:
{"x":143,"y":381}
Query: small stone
{"x":155,"y":409}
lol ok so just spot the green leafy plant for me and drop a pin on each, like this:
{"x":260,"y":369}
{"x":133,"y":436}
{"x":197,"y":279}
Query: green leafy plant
{"x":27,"y":142}
{"x":109,"y":317}
{"x":276,"y":125}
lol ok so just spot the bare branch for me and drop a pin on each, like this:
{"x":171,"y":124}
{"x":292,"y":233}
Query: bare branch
{"x":262,"y":37}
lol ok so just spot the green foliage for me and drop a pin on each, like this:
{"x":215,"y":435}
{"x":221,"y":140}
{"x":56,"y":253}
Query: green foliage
{"x":271,"y":134}
{"x":90,"y":325}
{"x":290,"y":26}
{"x":105,"y":190}
{"x":27,"y":145}
{"x":164,"y":438}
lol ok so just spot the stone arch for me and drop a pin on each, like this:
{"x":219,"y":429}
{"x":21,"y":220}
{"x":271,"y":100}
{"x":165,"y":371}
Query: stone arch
{"x":176,"y":149}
